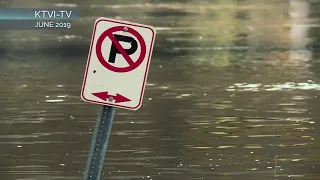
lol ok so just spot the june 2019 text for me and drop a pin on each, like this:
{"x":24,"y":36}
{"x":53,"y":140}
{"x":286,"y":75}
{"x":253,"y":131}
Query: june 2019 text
{"x":52,"y":25}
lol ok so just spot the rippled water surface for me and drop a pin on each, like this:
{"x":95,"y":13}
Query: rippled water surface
{"x":232,"y":93}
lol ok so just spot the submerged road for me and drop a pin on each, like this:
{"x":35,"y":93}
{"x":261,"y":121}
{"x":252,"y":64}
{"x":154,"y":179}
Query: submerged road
{"x":232,"y":93}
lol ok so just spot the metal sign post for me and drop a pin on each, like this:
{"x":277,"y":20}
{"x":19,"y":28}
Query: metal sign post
{"x":99,"y":143}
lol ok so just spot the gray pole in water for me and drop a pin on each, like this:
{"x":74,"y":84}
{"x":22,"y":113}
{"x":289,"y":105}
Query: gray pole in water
{"x":99,"y":143}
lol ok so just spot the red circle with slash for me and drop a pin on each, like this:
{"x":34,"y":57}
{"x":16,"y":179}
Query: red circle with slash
{"x":132,"y":64}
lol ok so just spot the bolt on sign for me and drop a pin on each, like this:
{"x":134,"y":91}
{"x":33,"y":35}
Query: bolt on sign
{"x":118,"y":63}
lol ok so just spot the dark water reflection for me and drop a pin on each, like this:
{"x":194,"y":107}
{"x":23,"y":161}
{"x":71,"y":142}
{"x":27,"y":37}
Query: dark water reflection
{"x":232,"y":94}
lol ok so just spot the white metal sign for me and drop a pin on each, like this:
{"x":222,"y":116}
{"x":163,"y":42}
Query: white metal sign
{"x":118,"y":63}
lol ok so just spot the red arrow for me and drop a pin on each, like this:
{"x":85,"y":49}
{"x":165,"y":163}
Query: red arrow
{"x":104,"y":96}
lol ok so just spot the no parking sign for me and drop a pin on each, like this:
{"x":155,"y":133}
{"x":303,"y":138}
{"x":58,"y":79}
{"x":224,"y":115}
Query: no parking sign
{"x":116,"y":74}
{"x":118,"y":63}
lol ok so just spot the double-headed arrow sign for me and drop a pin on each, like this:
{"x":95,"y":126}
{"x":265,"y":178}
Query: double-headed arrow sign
{"x":104,"y":96}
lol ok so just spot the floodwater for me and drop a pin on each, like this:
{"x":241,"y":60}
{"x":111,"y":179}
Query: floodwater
{"x":233,"y":93}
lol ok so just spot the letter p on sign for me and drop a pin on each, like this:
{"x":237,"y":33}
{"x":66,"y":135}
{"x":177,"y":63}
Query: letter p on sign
{"x":118,"y":63}
{"x":114,"y":50}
